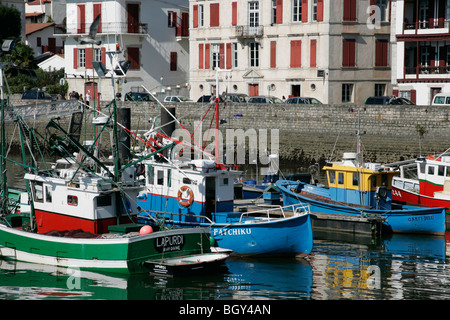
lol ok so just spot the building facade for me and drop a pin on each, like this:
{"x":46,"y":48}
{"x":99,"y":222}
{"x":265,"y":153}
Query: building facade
{"x":152,"y":35}
{"x":422,"y":49}
{"x":332,"y":50}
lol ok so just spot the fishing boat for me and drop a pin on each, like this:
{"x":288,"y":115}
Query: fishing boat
{"x":200,"y":192}
{"x":364,"y":190}
{"x":424,"y":181}
{"x":82,"y":211}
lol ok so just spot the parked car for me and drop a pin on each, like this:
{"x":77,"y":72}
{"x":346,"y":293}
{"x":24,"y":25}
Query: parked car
{"x":441,"y":99}
{"x":35,"y":94}
{"x":208,"y":98}
{"x":237,"y":97}
{"x":264,"y":99}
{"x":176,"y":99}
{"x":138,"y":96}
{"x":302,"y":100}
{"x":385,"y":100}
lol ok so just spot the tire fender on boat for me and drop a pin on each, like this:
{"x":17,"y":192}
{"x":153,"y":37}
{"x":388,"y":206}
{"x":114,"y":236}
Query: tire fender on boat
{"x":185,"y":196}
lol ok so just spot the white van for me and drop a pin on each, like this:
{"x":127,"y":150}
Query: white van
{"x":441,"y":99}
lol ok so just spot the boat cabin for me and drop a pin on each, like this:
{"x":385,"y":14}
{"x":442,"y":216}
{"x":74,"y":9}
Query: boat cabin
{"x":193,"y":187}
{"x":362,"y":185}
{"x":432,"y":173}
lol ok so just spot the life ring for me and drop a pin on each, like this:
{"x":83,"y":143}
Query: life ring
{"x":182,"y":199}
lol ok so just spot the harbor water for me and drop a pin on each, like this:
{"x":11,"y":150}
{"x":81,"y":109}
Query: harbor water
{"x":341,"y":266}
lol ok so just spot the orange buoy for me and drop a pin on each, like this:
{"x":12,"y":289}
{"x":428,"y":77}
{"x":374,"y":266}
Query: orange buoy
{"x":145,"y":230}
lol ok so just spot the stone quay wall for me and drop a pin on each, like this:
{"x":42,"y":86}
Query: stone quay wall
{"x":314,"y":133}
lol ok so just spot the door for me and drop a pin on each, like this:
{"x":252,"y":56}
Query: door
{"x":253,"y":17}
{"x":253,"y":90}
{"x":295,"y":90}
{"x":210,"y":197}
{"x":133,"y":17}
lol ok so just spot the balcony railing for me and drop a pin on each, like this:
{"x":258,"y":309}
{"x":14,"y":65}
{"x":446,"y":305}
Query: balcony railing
{"x":426,"y":26}
{"x":105,"y":28}
{"x":427,"y":72}
{"x":249,"y":32}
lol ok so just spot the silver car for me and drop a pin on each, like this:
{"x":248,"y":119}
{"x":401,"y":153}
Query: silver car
{"x":264,"y":99}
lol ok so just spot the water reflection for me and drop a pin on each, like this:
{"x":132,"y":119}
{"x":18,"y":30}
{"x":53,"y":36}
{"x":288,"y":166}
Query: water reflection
{"x":341,"y":266}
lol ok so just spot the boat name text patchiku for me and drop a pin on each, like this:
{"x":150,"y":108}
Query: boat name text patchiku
{"x":169,"y":243}
{"x":232,"y":232}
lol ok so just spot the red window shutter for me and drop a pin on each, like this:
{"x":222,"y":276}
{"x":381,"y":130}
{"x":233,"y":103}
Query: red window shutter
{"x":207,"y":64}
{"x":229,"y":55}
{"x":395,"y":93}
{"x":200,"y":56}
{"x":304,"y":10}
{"x":195,"y":12}
{"x":174,"y":19}
{"x":313,"y":53}
{"x":319,"y":10}
{"x":381,"y":53}
{"x":81,"y":18}
{"x":349,"y":10}
{"x":214,"y":15}
{"x":104,"y":55}
{"x":221,"y":56}
{"x":75,"y":58}
{"x":234,"y":13}
{"x":97,"y":11}
{"x":173,"y":61}
{"x":348,"y":52}
{"x":296,"y":53}
{"x":88,"y":64}
{"x":273,"y":54}
{"x":279,"y":18}
{"x":413,"y":95}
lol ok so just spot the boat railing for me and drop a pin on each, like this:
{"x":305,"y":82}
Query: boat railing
{"x":164,"y":215}
{"x":278,"y":211}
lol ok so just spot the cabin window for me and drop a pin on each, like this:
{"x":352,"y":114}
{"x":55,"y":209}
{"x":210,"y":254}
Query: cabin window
{"x":169,"y":178}
{"x":72,"y":200}
{"x":225,"y":181}
{"x":160,"y":177}
{"x":441,"y":171}
{"x":38,"y":192}
{"x":187,"y":181}
{"x":150,"y":179}
{"x":373,"y":182}
{"x":384,"y":180}
{"x":332,"y":177}
{"x":422,"y":168}
{"x":431,"y":170}
{"x":448,"y":171}
{"x":355,"y":180}
{"x":104,"y":201}
{"x":340,"y":178}
{"x":48,"y":194}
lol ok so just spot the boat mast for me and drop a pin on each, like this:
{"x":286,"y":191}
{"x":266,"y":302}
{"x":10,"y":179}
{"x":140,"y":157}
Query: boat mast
{"x":217,"y":159}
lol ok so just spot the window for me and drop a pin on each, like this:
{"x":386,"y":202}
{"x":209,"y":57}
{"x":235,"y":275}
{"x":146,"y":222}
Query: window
{"x":296,"y":53}
{"x":104,"y":201}
{"x":314,"y":10}
{"x":441,"y":171}
{"x":98,"y":54}
{"x":296,"y":10}
{"x":253,"y":16}
{"x":160,"y":177}
{"x":81,"y":58}
{"x":348,"y":53}
{"x":355,"y":180}
{"x":431,"y":170}
{"x":214,"y":14}
{"x":38,"y":192}
{"x":350,"y":10}
{"x":48,"y":194}
{"x":150,"y":179}
{"x":274,"y":11}
{"x":201,"y":15}
{"x":254,"y":54}
{"x":277,"y":11}
{"x":173,"y":61}
{"x":373,"y":182}
{"x":38,"y":42}
{"x":383,"y":5}
{"x":187,"y":181}
{"x":72,"y":200}
{"x":425,"y":56}
{"x":381,"y":53}
{"x":133,"y":56}
{"x":380,"y":90}
{"x":331,"y":177}
{"x":215,"y":56}
{"x":340,"y":178}
{"x":347,"y":92}
{"x":422,"y":168}
{"x":235,"y":55}
{"x":171,"y":19}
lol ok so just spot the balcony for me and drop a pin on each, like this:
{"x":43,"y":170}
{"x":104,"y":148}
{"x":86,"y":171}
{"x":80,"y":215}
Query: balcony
{"x":104,"y":28}
{"x":249,"y":32}
{"x":427,"y":72}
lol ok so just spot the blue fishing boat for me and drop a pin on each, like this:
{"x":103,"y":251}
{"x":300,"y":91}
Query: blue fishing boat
{"x":363,"y":189}
{"x":200,"y":193}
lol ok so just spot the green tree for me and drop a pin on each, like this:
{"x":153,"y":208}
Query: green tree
{"x":10,"y":22}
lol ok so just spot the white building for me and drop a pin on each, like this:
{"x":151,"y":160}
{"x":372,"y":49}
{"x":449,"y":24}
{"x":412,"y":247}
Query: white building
{"x":152,"y":35}
{"x":422,"y":49}
{"x":324,"y":49}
